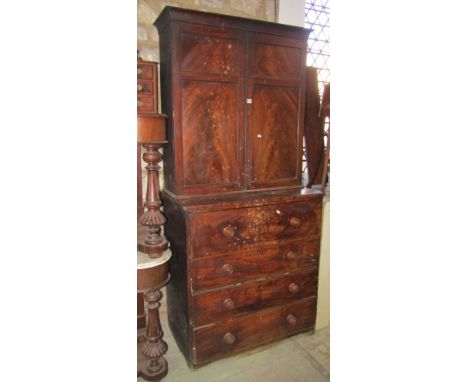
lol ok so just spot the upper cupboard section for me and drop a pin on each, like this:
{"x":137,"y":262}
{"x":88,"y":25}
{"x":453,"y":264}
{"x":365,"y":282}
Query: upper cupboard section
{"x":234,"y":92}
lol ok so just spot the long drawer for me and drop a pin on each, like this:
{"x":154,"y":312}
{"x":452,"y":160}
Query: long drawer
{"x":225,"y":303}
{"x":241,"y":228}
{"x":233,"y":336}
{"x":237,"y":266}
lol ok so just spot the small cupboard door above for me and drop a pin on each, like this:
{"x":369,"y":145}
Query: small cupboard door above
{"x":211,"y":94}
{"x":275,"y":111}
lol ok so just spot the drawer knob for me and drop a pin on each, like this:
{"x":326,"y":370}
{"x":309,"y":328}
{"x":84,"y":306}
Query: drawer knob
{"x":291,"y":255}
{"x":293,"y":288}
{"x":229,"y":338}
{"x":140,"y":87}
{"x":139,"y":103}
{"x":228,"y":268}
{"x":229,"y":231}
{"x":295,"y":222}
{"x":291,"y":319}
{"x":139,"y":71}
{"x":228,"y":303}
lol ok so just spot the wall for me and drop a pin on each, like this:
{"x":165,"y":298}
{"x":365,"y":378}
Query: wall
{"x":323,"y":298}
{"x":291,"y":12}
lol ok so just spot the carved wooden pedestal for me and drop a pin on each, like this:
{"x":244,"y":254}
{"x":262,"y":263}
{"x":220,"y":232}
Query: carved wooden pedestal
{"x":153,"y":252}
{"x":152,"y":275}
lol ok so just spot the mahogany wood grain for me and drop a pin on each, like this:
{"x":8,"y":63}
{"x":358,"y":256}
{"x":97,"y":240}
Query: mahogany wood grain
{"x":255,"y":263}
{"x":274,"y":61}
{"x":203,"y":53}
{"x":275,"y":117}
{"x":210,"y":134}
{"x":253,"y":226}
{"x":226,"y":303}
{"x":274,"y":136}
{"x":253,"y":330}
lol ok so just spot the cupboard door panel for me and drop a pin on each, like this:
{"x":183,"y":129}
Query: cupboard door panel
{"x":209,"y":55}
{"x":210,"y":134}
{"x":275,"y":112}
{"x":279,"y":62}
{"x":274,"y":135}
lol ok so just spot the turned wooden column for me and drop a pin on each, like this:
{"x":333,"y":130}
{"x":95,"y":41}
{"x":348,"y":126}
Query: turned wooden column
{"x":153,"y":252}
{"x":152,"y":134}
{"x":152,"y":275}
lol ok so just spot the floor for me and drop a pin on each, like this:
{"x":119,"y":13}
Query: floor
{"x":301,"y":358}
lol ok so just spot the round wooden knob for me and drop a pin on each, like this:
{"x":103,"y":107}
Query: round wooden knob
{"x":295,"y":222}
{"x":291,"y":255}
{"x":139,"y":87}
{"x":291,"y":318}
{"x":293,"y":287}
{"x":228,"y":268}
{"x":229,"y":338}
{"x":229,"y":231}
{"x":228,"y":303}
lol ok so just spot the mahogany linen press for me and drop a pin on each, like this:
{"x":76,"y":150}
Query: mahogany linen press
{"x":245,"y":236}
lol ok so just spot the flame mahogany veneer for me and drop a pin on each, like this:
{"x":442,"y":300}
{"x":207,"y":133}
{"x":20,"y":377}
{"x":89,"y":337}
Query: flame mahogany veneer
{"x":245,"y":236}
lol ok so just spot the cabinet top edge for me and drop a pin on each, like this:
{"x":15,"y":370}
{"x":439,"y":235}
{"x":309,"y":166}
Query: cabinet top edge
{"x":171,"y":13}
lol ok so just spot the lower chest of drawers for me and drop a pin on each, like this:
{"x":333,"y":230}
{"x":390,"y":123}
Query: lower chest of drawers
{"x":241,"y":277}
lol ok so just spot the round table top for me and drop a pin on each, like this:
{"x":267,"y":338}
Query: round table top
{"x":144,"y":261}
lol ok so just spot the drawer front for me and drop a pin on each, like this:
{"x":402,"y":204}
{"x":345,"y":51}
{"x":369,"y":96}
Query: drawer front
{"x":230,"y":337}
{"x":225,"y":303}
{"x":145,"y":72}
{"x":217,"y":271}
{"x":220,"y":231}
{"x":145,"y":87}
{"x":146,"y":104}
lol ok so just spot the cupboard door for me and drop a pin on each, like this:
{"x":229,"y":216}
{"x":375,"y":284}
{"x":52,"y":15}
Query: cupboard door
{"x":211,"y":103}
{"x":274,"y":111}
